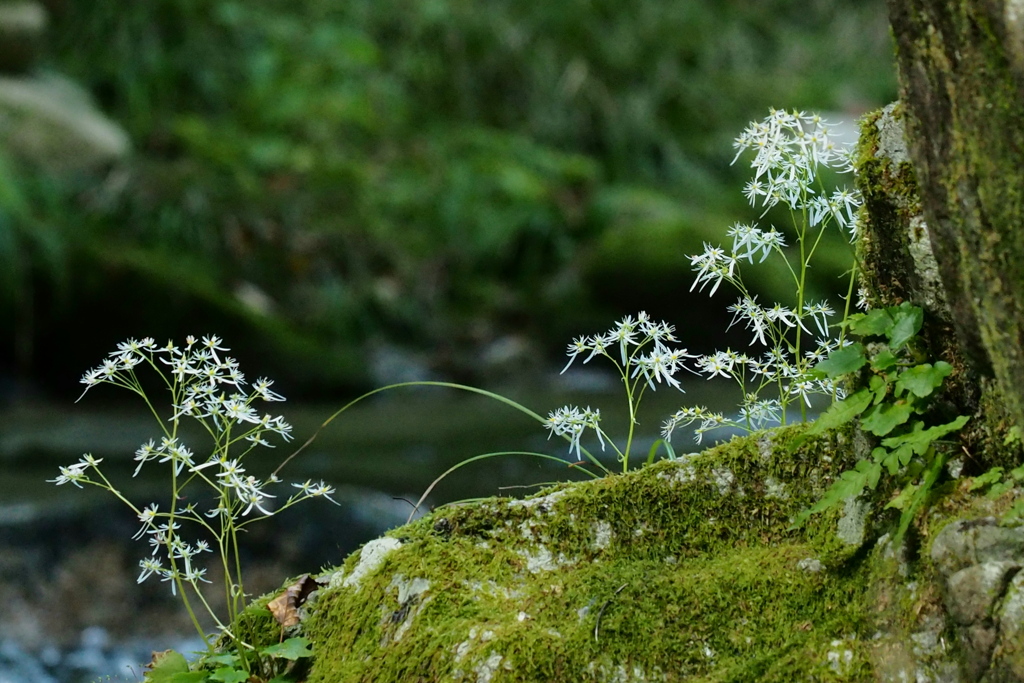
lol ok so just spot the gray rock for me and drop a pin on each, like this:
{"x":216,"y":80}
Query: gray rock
{"x":1008,"y":658}
{"x":996,"y":543}
{"x":954,"y":547}
{"x":980,"y":563}
{"x":971,"y":593}
{"x":52,"y":123}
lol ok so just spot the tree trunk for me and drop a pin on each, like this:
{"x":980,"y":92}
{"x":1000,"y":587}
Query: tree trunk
{"x":961,"y":70}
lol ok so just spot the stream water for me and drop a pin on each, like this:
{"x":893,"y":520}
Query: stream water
{"x":73,"y":612}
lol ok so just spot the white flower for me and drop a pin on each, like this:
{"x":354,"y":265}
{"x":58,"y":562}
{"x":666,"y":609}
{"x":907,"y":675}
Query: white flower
{"x":571,"y":422}
{"x":714,"y":265}
{"x":578,"y":346}
{"x":73,"y":474}
{"x":147,"y":516}
{"x":262,"y":389}
{"x":804,"y":388}
{"x":212,"y":344}
{"x":756,"y":317}
{"x":150,"y":566}
{"x":863,"y":299}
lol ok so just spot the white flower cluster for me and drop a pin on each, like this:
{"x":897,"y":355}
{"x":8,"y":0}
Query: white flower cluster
{"x":624,"y":345}
{"x":197,"y":376}
{"x":790,"y":149}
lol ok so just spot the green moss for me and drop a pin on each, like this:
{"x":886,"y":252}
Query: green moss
{"x":683,"y":569}
{"x":961,"y":81}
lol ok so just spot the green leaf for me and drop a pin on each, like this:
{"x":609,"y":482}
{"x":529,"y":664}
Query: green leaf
{"x":669,"y":451}
{"x":293,"y":648}
{"x":998,"y":490}
{"x":982,"y":480}
{"x":842,"y":361}
{"x":885,"y":417}
{"x":919,"y":496}
{"x":167,"y":665}
{"x":229,"y":674}
{"x":908,"y":320}
{"x":1016,"y":512}
{"x":842,"y":412}
{"x":879,"y":387}
{"x":850,"y":483}
{"x":1017,"y":473}
{"x":904,"y":453}
{"x":922,"y":380}
{"x":886,"y":459}
{"x":876,"y":322}
{"x":904,"y":499}
{"x":884,"y":360}
{"x":225,"y":658}
{"x":920,"y":439}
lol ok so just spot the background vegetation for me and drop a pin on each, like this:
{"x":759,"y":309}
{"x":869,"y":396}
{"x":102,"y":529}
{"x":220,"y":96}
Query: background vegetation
{"x":457,"y":186}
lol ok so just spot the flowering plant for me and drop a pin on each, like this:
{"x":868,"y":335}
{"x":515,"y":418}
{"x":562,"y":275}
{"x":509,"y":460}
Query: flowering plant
{"x":791,"y":151}
{"x":207,"y":387}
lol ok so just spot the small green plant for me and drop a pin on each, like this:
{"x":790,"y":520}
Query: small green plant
{"x":223,"y":499}
{"x":997,"y":481}
{"x":792,"y":151}
{"x":894,"y":406}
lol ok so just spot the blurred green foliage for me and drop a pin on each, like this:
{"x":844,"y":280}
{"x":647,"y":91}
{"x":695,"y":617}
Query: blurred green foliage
{"x":436,"y":175}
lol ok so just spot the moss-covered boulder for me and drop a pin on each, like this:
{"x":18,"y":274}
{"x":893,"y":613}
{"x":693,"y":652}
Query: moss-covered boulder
{"x":685,"y":570}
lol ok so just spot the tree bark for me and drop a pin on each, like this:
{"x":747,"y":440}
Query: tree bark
{"x":961,"y":71}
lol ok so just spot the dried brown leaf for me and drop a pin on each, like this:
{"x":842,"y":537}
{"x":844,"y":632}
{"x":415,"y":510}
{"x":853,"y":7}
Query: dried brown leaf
{"x":285,"y":607}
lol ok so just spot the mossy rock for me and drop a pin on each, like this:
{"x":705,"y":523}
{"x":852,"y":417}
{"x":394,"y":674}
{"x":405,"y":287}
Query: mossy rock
{"x":684,"y":570}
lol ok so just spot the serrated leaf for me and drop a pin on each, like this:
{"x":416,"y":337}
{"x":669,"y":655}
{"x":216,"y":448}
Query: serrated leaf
{"x":293,"y":648}
{"x":1016,"y":512}
{"x":883,"y":418}
{"x":870,"y":471}
{"x":842,"y":412}
{"x":919,"y":496}
{"x":228,"y":674}
{"x":876,"y":322}
{"x":225,"y":659}
{"x":842,"y":361}
{"x":886,"y":459}
{"x":190,"y":677}
{"x":165,"y":665}
{"x":998,"y":489}
{"x":908,"y":320}
{"x":879,"y":387}
{"x":922,"y":380}
{"x":920,"y":439}
{"x":884,"y":360}
{"x":982,"y":480}
{"x":850,"y":483}
{"x":903,"y":499}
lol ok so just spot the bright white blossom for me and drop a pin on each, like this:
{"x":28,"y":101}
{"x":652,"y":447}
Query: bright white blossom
{"x":790,"y":150}
{"x":206,"y":386}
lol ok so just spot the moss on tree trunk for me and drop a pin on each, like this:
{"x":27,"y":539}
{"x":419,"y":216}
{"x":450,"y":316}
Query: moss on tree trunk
{"x":961,"y":68}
